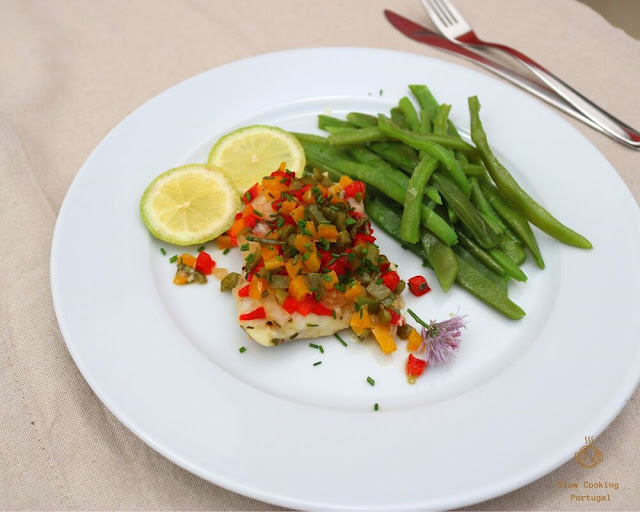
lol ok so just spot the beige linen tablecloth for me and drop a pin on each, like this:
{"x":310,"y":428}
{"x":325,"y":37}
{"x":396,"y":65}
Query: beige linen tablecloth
{"x":71,"y":70}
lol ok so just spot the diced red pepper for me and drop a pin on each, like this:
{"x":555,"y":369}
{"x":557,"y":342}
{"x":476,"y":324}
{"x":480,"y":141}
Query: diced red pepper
{"x":244,"y":291}
{"x":249,"y":277}
{"x":256,"y":314}
{"x":396,"y":318}
{"x":306,"y":305}
{"x":251,"y":221}
{"x":391,"y":279}
{"x":415,"y":366}
{"x":204,"y":263}
{"x":238,"y":216}
{"x":250,"y":194}
{"x":353,"y":188}
{"x":321,"y":309}
{"x":418,"y":286}
{"x":362,"y":238}
{"x":290,"y":305}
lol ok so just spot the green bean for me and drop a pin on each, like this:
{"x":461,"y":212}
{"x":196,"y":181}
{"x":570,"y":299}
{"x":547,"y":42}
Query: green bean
{"x":397,"y":154}
{"x":508,"y":264}
{"x":512,"y":249}
{"x":510,"y":189}
{"x":356,"y":136}
{"x":362,"y":120}
{"x":410,"y":114}
{"x":427,"y":101}
{"x":308,"y":137}
{"x":440,"y":122}
{"x":485,"y":290}
{"x":425,"y":121}
{"x":432,"y":193}
{"x":480,"y":254}
{"x":514,"y":219}
{"x":499,"y":281}
{"x":410,"y":227}
{"x":338,"y":129}
{"x":431,"y":148}
{"x":367,"y":157}
{"x":324,"y":121}
{"x":397,"y":116}
{"x":472,"y":170}
{"x":389,"y":221}
{"x":469,"y":216}
{"x":441,"y":258}
{"x":318,"y":156}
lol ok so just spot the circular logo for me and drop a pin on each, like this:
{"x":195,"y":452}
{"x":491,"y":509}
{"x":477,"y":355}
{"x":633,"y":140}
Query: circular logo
{"x":588,"y":456}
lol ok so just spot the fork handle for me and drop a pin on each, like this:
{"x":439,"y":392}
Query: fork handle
{"x":610,"y":124}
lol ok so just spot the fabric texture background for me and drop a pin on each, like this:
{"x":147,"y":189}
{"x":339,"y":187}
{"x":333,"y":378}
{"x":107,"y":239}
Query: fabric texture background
{"x":71,"y":70}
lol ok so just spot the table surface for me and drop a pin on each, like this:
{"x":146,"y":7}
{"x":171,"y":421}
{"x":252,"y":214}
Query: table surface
{"x":72,"y":70}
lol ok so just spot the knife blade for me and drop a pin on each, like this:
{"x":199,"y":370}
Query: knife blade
{"x":423,"y":35}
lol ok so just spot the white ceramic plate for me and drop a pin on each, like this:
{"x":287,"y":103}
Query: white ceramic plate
{"x":516,"y":403}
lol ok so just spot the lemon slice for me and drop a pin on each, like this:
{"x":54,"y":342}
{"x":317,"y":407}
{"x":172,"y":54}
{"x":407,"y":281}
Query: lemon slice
{"x":190,"y":204}
{"x":249,"y":154}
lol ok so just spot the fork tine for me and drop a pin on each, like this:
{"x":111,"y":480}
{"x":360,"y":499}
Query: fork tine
{"x":434,"y":14}
{"x":445,"y":15}
{"x":446,"y":18}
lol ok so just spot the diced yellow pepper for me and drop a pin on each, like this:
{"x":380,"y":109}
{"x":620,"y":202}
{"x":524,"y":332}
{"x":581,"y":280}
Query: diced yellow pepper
{"x":361,"y":321}
{"x":257,"y":286}
{"x":298,"y":213}
{"x":287,"y":207}
{"x":414,"y":341}
{"x":309,"y":197}
{"x":310,"y":227}
{"x":303,"y":243}
{"x":298,"y":288}
{"x":313,"y":261}
{"x":330,"y":285}
{"x":384,"y":339}
{"x":354,"y":292}
{"x":274,"y":263}
{"x":188,"y":260}
{"x":345,"y":181}
{"x":268,"y":252}
{"x":293,"y":269}
{"x":328,"y":232}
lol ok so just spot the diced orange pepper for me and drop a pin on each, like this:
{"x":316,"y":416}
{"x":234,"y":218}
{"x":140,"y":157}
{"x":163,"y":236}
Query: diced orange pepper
{"x":268,"y":252}
{"x":414,"y":341}
{"x":313,"y":262}
{"x":310,"y":227}
{"x":384,"y":339}
{"x":257,"y":286}
{"x":302,"y":243}
{"x":237,"y":227}
{"x":293,"y":269}
{"x":274,"y":263}
{"x":328,"y":232}
{"x":287,"y":207}
{"x":188,"y":260}
{"x":345,"y":181}
{"x":329,"y":285}
{"x":298,"y":214}
{"x":361,"y":321}
{"x":180,"y":279}
{"x":354,"y":292}
{"x":224,"y":242}
{"x":309,"y":197}
{"x":298,"y":288}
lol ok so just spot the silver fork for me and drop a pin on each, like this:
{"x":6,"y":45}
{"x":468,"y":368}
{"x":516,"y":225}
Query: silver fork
{"x":457,"y":30}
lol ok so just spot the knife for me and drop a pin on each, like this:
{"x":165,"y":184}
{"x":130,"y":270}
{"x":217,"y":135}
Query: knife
{"x":423,"y":35}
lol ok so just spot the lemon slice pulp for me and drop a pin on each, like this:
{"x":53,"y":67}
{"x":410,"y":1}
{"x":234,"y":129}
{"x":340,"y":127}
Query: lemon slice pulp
{"x":189,"y":205}
{"x":251,"y":153}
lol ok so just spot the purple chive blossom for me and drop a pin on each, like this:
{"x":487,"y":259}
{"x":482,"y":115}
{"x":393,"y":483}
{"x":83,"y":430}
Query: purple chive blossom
{"x":442,"y":339}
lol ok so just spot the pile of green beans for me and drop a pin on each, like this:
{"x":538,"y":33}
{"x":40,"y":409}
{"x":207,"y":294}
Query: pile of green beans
{"x":450,"y":202}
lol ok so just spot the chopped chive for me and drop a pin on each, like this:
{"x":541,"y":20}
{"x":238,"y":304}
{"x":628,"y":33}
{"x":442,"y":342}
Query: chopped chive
{"x":247,"y":196}
{"x":317,"y":363}
{"x":265,"y":294}
{"x":244,"y":247}
{"x":284,"y":180}
{"x":242,"y":349}
{"x":257,"y":213}
{"x":250,"y":258}
{"x":280,"y":222}
{"x":173,"y":258}
{"x":334,"y":314}
{"x":313,"y":345}
{"x":375,"y":407}
{"x":312,"y":325}
{"x":344,"y":343}
{"x":164,"y":253}
{"x":226,"y":251}
{"x":349,"y":221}
{"x":417,"y":319}
{"x":381,"y":91}
{"x":371,"y":381}
{"x":201,"y":248}
{"x":327,"y":277}
{"x":306,"y":256}
{"x":321,"y":349}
